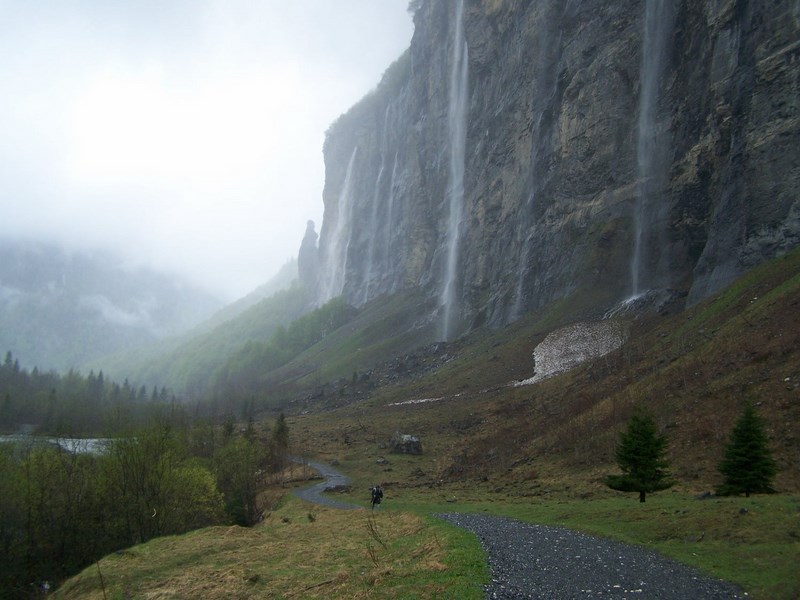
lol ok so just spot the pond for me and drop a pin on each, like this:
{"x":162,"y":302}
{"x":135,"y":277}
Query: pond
{"x":93,"y":446}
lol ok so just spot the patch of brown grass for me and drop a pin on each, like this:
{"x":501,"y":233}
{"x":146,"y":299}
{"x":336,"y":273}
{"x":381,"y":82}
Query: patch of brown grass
{"x":287,"y":556}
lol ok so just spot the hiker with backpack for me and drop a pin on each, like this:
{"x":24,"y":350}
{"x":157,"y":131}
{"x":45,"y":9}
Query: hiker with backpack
{"x":377,"y":494}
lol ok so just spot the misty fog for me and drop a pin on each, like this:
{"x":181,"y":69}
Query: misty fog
{"x":185,"y":136}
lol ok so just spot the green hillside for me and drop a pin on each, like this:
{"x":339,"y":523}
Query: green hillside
{"x":187,"y":364}
{"x":538,"y":452}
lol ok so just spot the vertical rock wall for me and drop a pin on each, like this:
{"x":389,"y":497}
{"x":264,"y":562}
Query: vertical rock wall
{"x":551,"y":177}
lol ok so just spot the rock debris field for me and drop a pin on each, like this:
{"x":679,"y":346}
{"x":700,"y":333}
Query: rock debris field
{"x":536,"y":561}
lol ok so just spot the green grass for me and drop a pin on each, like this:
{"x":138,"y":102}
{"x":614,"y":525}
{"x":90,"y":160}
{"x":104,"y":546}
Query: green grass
{"x":402,"y":551}
{"x":299,"y":551}
{"x":758,"y":550}
{"x":753,"y":542}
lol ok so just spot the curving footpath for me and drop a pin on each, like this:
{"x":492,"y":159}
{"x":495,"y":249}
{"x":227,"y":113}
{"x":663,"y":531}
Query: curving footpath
{"x":537,"y":561}
{"x":332,"y":480}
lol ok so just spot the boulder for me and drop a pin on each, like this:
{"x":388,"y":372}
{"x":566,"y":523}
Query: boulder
{"x":402,"y":443}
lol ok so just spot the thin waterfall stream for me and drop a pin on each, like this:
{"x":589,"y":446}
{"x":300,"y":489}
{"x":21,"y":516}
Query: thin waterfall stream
{"x":457,"y":128}
{"x":333,"y":280}
{"x":657,"y":28}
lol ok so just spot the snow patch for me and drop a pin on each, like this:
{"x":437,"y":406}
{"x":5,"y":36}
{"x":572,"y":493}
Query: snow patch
{"x":570,"y":346}
{"x":416,"y":401}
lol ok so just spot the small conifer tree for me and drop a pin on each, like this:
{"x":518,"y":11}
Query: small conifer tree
{"x":640,"y":456}
{"x":747,"y":465}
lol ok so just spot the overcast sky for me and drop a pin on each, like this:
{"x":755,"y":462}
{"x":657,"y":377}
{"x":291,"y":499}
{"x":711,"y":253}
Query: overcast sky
{"x":183,"y":134}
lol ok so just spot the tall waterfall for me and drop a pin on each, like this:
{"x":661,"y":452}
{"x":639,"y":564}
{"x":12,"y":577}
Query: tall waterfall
{"x":519,"y":292}
{"x":658,"y":21}
{"x":457,"y":129}
{"x":390,"y":221}
{"x":526,"y":226}
{"x":335,"y":265}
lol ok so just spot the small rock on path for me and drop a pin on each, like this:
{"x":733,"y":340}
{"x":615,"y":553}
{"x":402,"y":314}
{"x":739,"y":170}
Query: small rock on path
{"x":537,"y":561}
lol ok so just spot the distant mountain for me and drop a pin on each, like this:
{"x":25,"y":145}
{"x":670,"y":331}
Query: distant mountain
{"x":282,"y":280}
{"x":61,"y":309}
{"x":187,"y":363}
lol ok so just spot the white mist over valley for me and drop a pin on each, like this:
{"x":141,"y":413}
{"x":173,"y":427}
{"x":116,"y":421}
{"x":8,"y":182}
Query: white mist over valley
{"x":181,"y":136}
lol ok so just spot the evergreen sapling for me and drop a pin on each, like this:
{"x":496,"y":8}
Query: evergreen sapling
{"x":747,"y":465}
{"x":640,"y":456}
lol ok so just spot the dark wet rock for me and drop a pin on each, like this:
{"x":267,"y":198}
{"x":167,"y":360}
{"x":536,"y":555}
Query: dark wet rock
{"x":552,"y":175}
{"x":307,"y":259}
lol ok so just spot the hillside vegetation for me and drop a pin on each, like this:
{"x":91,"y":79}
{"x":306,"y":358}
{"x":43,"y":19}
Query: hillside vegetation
{"x":537,"y":452}
{"x":187,"y":364}
{"x":691,"y":369}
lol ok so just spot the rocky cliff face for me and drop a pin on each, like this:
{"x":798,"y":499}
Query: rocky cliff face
{"x":523,"y":152}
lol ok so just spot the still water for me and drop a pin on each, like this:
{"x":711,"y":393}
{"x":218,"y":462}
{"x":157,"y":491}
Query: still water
{"x":80,"y":445}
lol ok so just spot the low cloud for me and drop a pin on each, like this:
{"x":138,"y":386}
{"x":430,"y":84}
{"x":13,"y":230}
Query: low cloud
{"x":182,"y":135}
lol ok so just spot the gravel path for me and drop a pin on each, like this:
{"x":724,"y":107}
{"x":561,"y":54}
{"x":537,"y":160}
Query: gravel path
{"x":541,"y":562}
{"x":333,"y":479}
{"x":536,"y":561}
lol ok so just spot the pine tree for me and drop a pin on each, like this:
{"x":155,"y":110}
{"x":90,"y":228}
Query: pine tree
{"x":747,"y":465}
{"x":640,"y":456}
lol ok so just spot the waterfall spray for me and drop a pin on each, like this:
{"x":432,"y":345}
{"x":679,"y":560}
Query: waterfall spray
{"x":457,"y":128}
{"x":549,"y":45}
{"x":369,"y":274}
{"x":519,"y":294}
{"x":336,"y":263}
{"x":657,"y":29}
{"x":389,"y":222}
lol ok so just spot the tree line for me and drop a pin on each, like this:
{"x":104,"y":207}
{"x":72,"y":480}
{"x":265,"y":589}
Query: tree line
{"x":243,"y":375}
{"x":61,"y":510}
{"x":73,"y":404}
{"x":747,"y":466}
{"x":169,"y":467}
